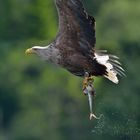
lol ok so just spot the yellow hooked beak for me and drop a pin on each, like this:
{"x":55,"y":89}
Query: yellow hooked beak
{"x":29,"y":51}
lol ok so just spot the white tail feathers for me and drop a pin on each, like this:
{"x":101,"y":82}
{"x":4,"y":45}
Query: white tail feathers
{"x":113,"y":67}
{"x":112,"y":76}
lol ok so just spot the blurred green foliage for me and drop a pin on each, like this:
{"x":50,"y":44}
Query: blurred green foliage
{"x":39,"y":101}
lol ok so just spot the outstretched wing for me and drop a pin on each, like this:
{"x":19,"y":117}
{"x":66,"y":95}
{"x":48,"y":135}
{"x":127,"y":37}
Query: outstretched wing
{"x":74,"y":21}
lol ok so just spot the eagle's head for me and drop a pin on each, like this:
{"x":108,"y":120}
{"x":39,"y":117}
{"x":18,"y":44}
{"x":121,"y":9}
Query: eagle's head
{"x":36,"y":50}
{"x":49,"y":52}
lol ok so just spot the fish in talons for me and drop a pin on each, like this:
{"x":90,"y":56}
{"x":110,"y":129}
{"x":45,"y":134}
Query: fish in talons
{"x":88,"y":89}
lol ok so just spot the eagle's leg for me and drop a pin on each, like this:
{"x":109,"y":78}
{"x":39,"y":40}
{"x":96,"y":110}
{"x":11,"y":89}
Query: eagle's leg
{"x":89,"y":90}
{"x":88,"y":81}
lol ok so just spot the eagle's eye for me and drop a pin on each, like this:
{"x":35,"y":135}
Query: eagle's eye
{"x":35,"y":49}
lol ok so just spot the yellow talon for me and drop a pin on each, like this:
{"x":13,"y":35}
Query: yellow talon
{"x":86,"y":81}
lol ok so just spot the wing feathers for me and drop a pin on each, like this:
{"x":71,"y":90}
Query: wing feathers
{"x":73,"y":13}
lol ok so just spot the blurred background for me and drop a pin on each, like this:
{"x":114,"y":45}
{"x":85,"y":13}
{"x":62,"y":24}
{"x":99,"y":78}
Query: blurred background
{"x":39,"y":101}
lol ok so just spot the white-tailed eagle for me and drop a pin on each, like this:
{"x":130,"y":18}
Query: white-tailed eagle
{"x":74,"y":48}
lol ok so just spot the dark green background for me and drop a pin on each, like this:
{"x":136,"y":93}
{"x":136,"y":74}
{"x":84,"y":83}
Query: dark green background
{"x":39,"y":101}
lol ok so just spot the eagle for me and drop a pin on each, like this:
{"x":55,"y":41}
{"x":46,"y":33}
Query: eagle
{"x":74,"y":48}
